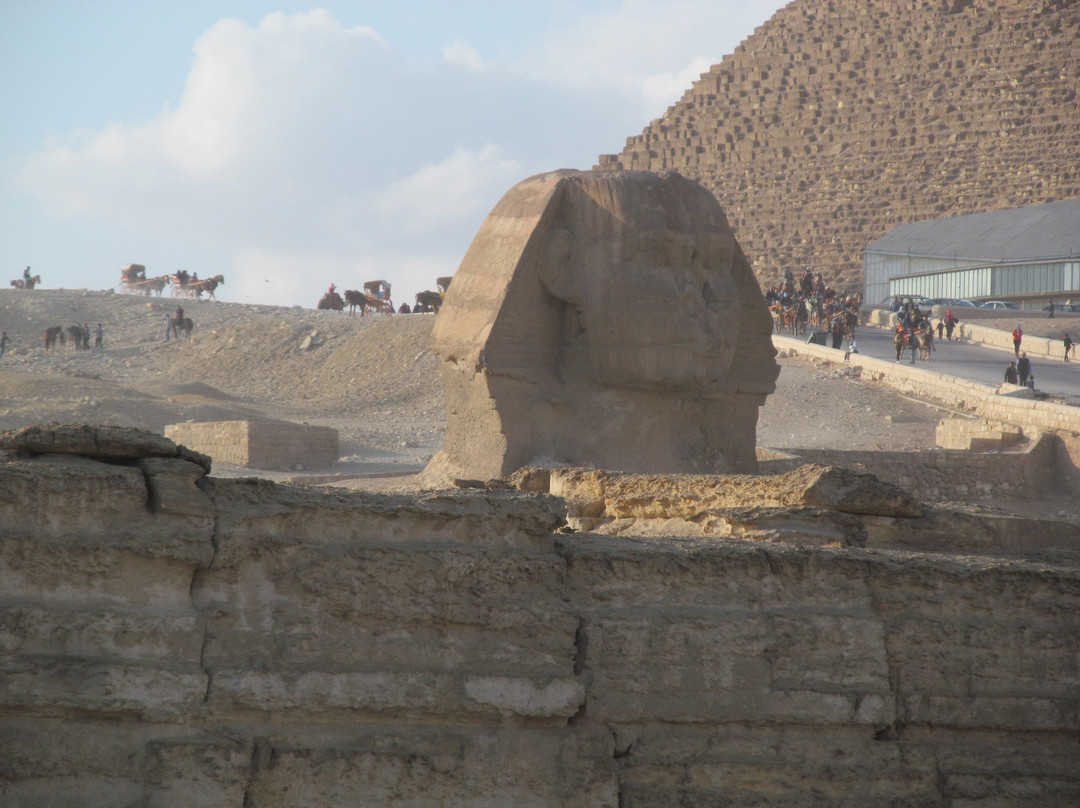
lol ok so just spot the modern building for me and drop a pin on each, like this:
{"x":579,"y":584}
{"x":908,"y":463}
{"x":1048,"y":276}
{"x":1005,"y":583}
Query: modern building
{"x":1027,"y":255}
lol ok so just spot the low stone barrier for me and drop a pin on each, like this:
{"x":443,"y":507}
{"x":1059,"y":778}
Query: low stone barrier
{"x":1036,"y":347}
{"x":980,"y":399}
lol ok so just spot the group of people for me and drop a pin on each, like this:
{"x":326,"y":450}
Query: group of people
{"x":809,"y":302}
{"x":77,"y":335}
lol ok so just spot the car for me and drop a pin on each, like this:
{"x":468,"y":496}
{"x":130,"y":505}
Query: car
{"x":955,"y":303}
{"x":918,"y":300}
{"x":1000,"y":305}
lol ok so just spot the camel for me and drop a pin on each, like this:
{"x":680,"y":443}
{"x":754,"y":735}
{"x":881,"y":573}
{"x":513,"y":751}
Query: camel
{"x":331,"y":300}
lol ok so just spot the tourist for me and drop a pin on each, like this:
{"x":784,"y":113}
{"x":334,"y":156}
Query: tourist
{"x":1018,"y":336}
{"x":1023,"y":368}
{"x":1010,"y":373}
{"x":1068,"y":345}
{"x":99,"y":336}
{"x":950,"y":323}
{"x":899,"y":340}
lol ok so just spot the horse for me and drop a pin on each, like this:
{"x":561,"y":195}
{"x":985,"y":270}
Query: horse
{"x":156,"y":285}
{"x":187,"y":326}
{"x":20,"y":283}
{"x":429,"y":301}
{"x":77,"y":336}
{"x":50,"y":337}
{"x":207,"y":285}
{"x":356,"y":300}
{"x":332,"y":301}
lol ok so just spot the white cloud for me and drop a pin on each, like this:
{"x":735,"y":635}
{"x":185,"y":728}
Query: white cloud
{"x":633,"y":47}
{"x":301,"y":148}
{"x":451,"y":191}
{"x":462,"y":54}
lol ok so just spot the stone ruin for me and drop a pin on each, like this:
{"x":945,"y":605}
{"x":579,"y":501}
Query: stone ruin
{"x":836,"y":121}
{"x":604,"y":319}
{"x":263,"y":443}
{"x":168,"y":638}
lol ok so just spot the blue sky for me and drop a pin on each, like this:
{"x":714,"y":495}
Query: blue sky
{"x":290,"y":146}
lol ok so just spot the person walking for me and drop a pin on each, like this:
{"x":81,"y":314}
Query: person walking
{"x":1010,"y":373}
{"x":1023,"y":368}
{"x":3,"y":342}
{"x":1068,"y":345}
{"x":99,"y":336}
{"x":1018,"y":336}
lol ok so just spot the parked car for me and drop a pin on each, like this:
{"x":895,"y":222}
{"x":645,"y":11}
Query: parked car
{"x":955,"y":303}
{"x":918,"y":300}
{"x":1001,"y":305}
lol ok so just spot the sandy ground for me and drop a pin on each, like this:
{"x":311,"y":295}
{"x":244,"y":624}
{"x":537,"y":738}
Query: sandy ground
{"x":372,"y":378}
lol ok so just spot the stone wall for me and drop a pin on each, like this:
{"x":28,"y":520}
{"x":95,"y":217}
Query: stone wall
{"x":259,"y":444}
{"x":836,"y":121}
{"x":171,"y":639}
{"x":1031,"y":415}
{"x":954,"y":476}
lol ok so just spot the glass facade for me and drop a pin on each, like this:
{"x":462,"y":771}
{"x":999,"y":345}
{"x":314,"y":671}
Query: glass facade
{"x":1021,"y":280}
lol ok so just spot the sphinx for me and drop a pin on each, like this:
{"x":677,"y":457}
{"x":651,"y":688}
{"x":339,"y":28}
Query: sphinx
{"x":605,"y":319}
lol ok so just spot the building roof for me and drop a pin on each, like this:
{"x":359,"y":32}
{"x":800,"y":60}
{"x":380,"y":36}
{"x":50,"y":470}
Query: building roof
{"x":1036,"y":233}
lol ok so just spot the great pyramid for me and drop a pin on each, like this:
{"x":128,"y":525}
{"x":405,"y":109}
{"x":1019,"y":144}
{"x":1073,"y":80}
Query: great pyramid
{"x":836,"y":120}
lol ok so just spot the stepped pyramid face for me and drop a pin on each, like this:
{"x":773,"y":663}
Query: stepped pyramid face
{"x":837,"y":120}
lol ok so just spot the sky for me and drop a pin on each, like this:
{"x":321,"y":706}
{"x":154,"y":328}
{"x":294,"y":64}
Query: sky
{"x":288,"y":147}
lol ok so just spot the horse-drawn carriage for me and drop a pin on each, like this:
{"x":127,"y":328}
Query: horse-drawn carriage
{"x":188,"y":284}
{"x":133,"y":280}
{"x":378,"y":296}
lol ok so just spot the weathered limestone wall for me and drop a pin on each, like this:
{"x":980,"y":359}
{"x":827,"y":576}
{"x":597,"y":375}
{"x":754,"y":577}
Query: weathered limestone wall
{"x":260,"y":444}
{"x":237,"y":643}
{"x":954,"y":476}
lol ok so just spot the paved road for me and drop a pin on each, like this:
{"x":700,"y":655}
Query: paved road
{"x":978,"y":363}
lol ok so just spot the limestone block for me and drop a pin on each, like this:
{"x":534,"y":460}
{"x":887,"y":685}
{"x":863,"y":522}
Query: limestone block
{"x":740,"y":765}
{"x":76,"y":764}
{"x":606,"y":319}
{"x":78,"y":631}
{"x":252,"y":512}
{"x":173,"y":490}
{"x":527,"y":768}
{"x":325,"y":625}
{"x":150,"y":692}
{"x":260,"y":443}
{"x":710,"y":572}
{"x":620,"y":496}
{"x":87,"y":503}
{"x":210,"y":774}
{"x":713,"y":667}
{"x":40,"y":571}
